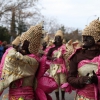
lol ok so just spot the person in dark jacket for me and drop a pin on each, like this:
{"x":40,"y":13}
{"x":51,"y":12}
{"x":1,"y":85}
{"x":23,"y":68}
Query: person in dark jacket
{"x":84,"y":71}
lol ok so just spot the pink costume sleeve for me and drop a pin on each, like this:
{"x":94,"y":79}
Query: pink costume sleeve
{"x":63,"y":49}
{"x":45,"y":85}
{"x":43,"y":67}
{"x":67,"y":87}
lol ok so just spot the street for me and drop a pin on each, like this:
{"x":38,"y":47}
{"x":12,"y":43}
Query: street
{"x":67,"y":95}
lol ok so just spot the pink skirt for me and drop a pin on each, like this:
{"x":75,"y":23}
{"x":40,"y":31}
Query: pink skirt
{"x":23,"y":93}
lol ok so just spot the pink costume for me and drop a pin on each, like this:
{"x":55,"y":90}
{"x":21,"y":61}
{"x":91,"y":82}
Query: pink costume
{"x":43,"y":65}
{"x":20,"y":86}
{"x":57,"y":66}
{"x":47,"y":49}
{"x":87,"y":66}
{"x":19,"y":69}
{"x":59,"y":59}
{"x":91,"y":90}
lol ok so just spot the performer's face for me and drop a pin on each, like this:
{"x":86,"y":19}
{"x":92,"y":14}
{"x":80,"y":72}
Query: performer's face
{"x":44,"y":44}
{"x":88,"y":41}
{"x":25,"y":47}
{"x":58,"y":40}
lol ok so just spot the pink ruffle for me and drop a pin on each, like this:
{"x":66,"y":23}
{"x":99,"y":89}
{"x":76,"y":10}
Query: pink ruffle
{"x":43,"y":67}
{"x":95,"y":60}
{"x":40,"y":95}
{"x":34,"y":56}
{"x":68,"y":88}
{"x":45,"y":85}
{"x":87,"y":91}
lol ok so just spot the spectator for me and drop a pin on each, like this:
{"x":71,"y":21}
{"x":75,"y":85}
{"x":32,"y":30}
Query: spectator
{"x":57,"y":66}
{"x":1,"y":50}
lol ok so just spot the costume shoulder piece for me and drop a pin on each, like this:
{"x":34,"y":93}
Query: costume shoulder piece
{"x":76,"y":50}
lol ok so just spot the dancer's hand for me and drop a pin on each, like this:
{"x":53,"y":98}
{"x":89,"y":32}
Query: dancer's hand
{"x":94,"y":78}
{"x":87,"y":79}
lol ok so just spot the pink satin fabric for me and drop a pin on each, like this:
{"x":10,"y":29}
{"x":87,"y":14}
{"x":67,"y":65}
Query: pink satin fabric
{"x":34,"y":56}
{"x":25,"y":92}
{"x":68,"y":88}
{"x":44,"y":63}
{"x":47,"y":49}
{"x":43,"y":67}
{"x":45,"y":85}
{"x":95,"y":60}
{"x":60,"y":60}
{"x":63,"y":67}
{"x":87,"y":91}
{"x":91,"y":89}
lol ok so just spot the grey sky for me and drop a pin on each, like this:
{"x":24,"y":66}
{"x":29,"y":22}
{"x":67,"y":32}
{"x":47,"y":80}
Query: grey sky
{"x":71,"y":13}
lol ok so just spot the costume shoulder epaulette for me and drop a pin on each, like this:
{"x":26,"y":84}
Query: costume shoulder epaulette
{"x":75,"y":51}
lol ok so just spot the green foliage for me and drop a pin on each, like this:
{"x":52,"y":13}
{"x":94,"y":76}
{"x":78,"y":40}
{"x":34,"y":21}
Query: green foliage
{"x":21,"y":27}
{"x":4,"y":34}
{"x":74,"y":35}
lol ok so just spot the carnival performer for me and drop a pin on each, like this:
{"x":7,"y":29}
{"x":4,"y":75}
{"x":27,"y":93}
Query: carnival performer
{"x":57,"y":63}
{"x":19,"y":65}
{"x":84,"y":66}
{"x":1,"y":50}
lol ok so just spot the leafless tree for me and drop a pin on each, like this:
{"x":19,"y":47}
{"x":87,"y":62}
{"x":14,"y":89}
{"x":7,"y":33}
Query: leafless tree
{"x":51,"y":25}
{"x":13,"y":12}
{"x":4,"y":6}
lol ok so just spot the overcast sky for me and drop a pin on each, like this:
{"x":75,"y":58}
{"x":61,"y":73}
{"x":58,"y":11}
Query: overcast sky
{"x":71,"y":13}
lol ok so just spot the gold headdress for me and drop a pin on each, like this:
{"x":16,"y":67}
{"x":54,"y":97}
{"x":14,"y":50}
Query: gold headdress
{"x":59,"y":33}
{"x":17,"y":41}
{"x":33,"y":35}
{"x":46,"y":39}
{"x":93,"y":30}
